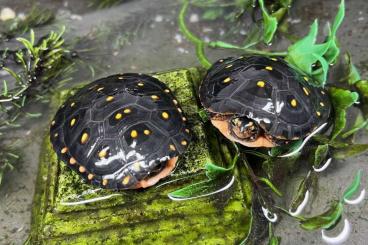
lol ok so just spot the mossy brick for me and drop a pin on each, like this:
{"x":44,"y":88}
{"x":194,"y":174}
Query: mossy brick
{"x":142,"y":216}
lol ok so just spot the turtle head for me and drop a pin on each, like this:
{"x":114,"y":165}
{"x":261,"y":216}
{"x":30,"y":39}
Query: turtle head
{"x":244,"y":129}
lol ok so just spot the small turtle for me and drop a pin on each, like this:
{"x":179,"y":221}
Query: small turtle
{"x":262,"y":102}
{"x":121,"y":132}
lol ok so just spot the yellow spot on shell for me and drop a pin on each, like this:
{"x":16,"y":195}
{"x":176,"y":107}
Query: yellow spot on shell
{"x":134,"y":134}
{"x":184,"y":119}
{"x":121,"y":78}
{"x":322,"y":92}
{"x":175,"y":102}
{"x":109,"y":98}
{"x":90,"y":176}
{"x":53,"y":123}
{"x":179,"y":110}
{"x":118,"y":116}
{"x":321,"y":104}
{"x":167,"y":91}
{"x":227,"y":80}
{"x":269,"y":68}
{"x":228,"y":66}
{"x":127,"y":111}
{"x":187,"y":130}
{"x":261,"y":84}
{"x":293,"y":103}
{"x":102,"y":154}
{"x":274,"y":59}
{"x":147,"y":132}
{"x":306,"y":91}
{"x":137,"y":166}
{"x":100,"y":89}
{"x":64,"y":150}
{"x":318,"y":113}
{"x":184,"y":142}
{"x":82,"y":169}
{"x":72,"y":104}
{"x":140,"y":84}
{"x":56,"y":135}
{"x":306,"y":79}
{"x":221,"y":60}
{"x":154,"y":97}
{"x":72,"y":160}
{"x":105,"y":182}
{"x":84,"y":138}
{"x":72,"y":122}
{"x":172,"y":147}
{"x":165,"y":115}
{"x":126,"y":180}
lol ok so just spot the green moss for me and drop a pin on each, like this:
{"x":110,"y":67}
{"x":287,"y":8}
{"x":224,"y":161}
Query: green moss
{"x":142,"y":216}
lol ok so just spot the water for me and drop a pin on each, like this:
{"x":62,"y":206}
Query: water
{"x":143,"y":36}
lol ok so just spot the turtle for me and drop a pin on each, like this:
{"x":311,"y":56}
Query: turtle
{"x":124,"y":131}
{"x":261,"y":101}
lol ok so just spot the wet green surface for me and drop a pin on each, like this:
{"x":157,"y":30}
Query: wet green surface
{"x":143,"y":216}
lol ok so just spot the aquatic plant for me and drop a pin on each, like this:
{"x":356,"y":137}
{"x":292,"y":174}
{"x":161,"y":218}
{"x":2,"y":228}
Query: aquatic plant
{"x":33,"y":70}
{"x":105,"y":3}
{"x":315,"y":60}
{"x":37,"y":16}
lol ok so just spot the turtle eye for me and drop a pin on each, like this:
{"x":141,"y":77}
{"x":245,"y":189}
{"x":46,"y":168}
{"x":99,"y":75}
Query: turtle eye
{"x":244,"y":128}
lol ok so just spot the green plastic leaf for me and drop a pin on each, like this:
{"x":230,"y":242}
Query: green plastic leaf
{"x":350,"y":151}
{"x":352,"y":73}
{"x":320,"y":155}
{"x":362,"y":87}
{"x":203,"y":188}
{"x":341,"y":100}
{"x":333,"y":51}
{"x":303,"y":187}
{"x":271,"y":185}
{"x":269,"y":24}
{"x":305,"y":53}
{"x":354,"y":186}
{"x":324,"y":220}
{"x":213,"y":13}
{"x":213,"y":170}
{"x":274,"y":240}
{"x":358,"y":125}
{"x":312,"y":58}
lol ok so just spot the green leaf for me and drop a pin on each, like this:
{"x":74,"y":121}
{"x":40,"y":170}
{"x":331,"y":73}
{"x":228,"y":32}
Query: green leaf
{"x":354,"y":186}
{"x":274,"y":240}
{"x":213,"y":171}
{"x":357,"y":126}
{"x":213,"y":14}
{"x":203,"y":188}
{"x":324,"y":220}
{"x":350,"y":150}
{"x":362,"y":87}
{"x":271,"y":185}
{"x":305,"y":53}
{"x":341,"y":100}
{"x":269,"y":24}
{"x":352,"y":74}
{"x":320,"y":155}
{"x":303,"y":187}
{"x":312,"y":58}
{"x":333,"y":52}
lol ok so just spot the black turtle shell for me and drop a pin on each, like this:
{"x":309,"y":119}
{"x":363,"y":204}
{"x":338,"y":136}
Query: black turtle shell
{"x":279,"y":98}
{"x":119,"y":130}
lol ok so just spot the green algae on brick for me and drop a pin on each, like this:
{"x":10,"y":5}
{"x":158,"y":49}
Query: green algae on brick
{"x":141,"y":216}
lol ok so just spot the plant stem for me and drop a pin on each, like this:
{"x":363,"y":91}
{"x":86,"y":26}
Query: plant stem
{"x":191,"y":37}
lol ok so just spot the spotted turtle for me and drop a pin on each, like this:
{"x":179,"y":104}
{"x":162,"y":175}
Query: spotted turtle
{"x":262,"y":102}
{"x":121,"y":132}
